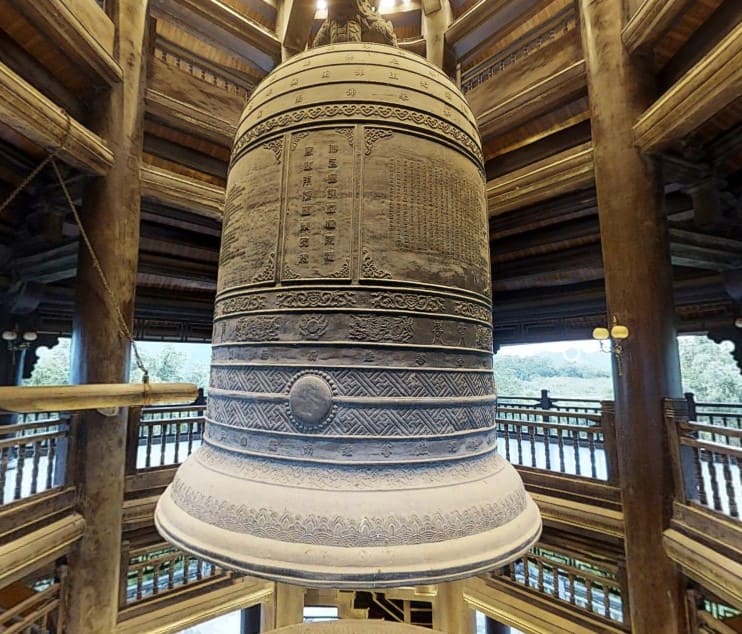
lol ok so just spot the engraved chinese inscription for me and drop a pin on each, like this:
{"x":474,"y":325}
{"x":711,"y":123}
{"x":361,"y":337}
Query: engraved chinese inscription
{"x":250,"y":225}
{"x":432,"y":209}
{"x":317,"y":224}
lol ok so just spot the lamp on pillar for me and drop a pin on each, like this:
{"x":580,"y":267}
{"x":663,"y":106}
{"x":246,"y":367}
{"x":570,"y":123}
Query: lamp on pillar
{"x":613,"y":341}
{"x":18,"y":341}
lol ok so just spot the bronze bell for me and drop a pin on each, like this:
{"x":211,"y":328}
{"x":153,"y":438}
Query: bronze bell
{"x":350,"y":436}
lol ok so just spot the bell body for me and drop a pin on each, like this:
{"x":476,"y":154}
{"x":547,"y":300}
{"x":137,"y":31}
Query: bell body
{"x":350,"y":434}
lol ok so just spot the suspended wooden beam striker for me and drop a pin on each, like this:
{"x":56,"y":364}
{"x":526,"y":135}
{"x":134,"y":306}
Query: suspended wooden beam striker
{"x":65,"y":398}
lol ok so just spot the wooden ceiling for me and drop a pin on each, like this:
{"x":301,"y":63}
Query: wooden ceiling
{"x":520,"y":64}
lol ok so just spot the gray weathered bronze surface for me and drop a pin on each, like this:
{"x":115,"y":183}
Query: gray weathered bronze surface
{"x":350,"y":437}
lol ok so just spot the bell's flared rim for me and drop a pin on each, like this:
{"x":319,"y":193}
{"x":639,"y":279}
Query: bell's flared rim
{"x":350,"y":567}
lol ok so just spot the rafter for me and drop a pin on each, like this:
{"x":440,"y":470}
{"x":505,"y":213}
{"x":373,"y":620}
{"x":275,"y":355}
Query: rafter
{"x":182,"y":192}
{"x":223,"y":27}
{"x":81,"y":29}
{"x":565,"y":172}
{"x":650,"y":22}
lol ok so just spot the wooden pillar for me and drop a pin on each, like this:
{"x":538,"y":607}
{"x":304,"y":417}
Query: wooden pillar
{"x":638,"y":285}
{"x":8,"y":360}
{"x":100,"y":352}
{"x":450,"y":611}
{"x":289,"y":605}
{"x":437,"y":17}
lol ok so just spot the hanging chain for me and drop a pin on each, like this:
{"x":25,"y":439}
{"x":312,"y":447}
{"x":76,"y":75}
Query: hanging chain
{"x":50,"y":158}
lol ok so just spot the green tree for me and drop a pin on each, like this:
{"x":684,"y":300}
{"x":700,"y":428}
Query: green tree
{"x":164,"y":366}
{"x":709,"y":370}
{"x":52,"y":366}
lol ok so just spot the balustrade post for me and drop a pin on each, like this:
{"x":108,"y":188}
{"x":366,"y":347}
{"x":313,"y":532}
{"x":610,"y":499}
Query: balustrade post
{"x":124,"y":573}
{"x":545,"y":402}
{"x":690,"y":400}
{"x":250,"y":619}
{"x":60,"y":469}
{"x":623,"y":581}
{"x":694,"y":601}
{"x":608,"y":425}
{"x":683,"y":457}
{"x":132,"y":439}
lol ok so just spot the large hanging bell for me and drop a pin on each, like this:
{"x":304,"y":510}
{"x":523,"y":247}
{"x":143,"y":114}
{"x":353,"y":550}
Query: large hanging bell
{"x":350,"y":436}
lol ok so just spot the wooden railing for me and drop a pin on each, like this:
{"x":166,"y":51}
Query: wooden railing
{"x":163,"y":436}
{"x":724,"y":414}
{"x":710,"y":616}
{"x":32,"y":455}
{"x":597,"y":588}
{"x":161,"y":568}
{"x":546,"y":401}
{"x":707,"y":457}
{"x":562,"y":441}
{"x":40,"y":613}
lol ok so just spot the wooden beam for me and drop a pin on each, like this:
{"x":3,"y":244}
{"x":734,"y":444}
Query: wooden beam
{"x":482,"y":21}
{"x":650,"y":22}
{"x":182,"y":192}
{"x":52,"y":265}
{"x":26,"y":65}
{"x":543,"y":246}
{"x":163,"y":616}
{"x":80,"y":28}
{"x":23,"y":516}
{"x":178,"y":282}
{"x":21,"y":556}
{"x":718,"y":573}
{"x":171,"y":247}
{"x":567,"y":514}
{"x":527,"y":66}
{"x":703,"y":251}
{"x":537,"y":98}
{"x":187,"y":100}
{"x":66,"y":398}
{"x":178,"y":152}
{"x":205,"y":62}
{"x":548,"y":214}
{"x":705,"y":90}
{"x":565,"y":172}
{"x":28,"y":112}
{"x":223,"y":27}
{"x":587,"y":269}
{"x":184,"y":116}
